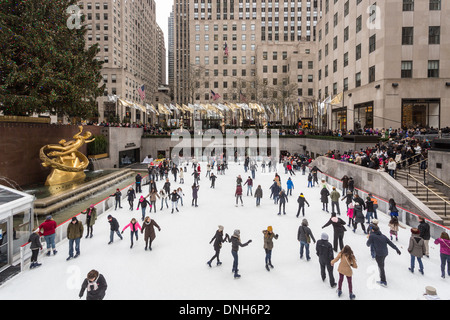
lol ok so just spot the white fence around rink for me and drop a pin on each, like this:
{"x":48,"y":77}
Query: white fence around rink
{"x":61,"y":231}
{"x":405,"y":216}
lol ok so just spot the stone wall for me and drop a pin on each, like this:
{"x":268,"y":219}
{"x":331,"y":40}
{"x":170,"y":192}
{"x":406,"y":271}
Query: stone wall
{"x":439,"y":166}
{"x":380,"y":184}
{"x":315,"y":147}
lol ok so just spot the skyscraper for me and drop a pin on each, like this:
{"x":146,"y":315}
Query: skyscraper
{"x":246,"y":51}
{"x":389,"y":60}
{"x":126,"y":32}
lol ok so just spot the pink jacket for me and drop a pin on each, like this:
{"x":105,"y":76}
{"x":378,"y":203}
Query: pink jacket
{"x":136,"y":226}
{"x":445,"y":245}
{"x":350,"y":211}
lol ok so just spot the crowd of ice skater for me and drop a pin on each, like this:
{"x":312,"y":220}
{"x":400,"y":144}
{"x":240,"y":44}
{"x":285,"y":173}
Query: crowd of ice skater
{"x":325,"y":250}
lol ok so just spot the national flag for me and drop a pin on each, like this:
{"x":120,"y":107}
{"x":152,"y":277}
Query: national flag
{"x":226,"y":49}
{"x":214,"y":95}
{"x":141,"y":91}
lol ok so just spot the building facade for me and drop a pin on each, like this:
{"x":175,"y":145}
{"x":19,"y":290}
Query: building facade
{"x":344,"y":64}
{"x":389,"y":62}
{"x":246,"y":51}
{"x":127,"y":34}
{"x":171,"y":53}
{"x":161,"y":53}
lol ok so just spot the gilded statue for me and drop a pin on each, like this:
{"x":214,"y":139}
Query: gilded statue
{"x":67,"y":163}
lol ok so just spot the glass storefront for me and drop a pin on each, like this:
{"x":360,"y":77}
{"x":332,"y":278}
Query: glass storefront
{"x":420,"y":113}
{"x":363,"y":115}
{"x":339,"y":119}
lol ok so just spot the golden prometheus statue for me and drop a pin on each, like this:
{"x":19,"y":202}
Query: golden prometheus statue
{"x":67,"y":163}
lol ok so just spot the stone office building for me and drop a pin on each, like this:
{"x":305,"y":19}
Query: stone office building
{"x":245,"y":51}
{"x":390,"y":59}
{"x":128,"y":38}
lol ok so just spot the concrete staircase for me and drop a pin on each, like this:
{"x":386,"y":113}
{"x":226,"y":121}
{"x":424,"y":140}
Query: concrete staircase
{"x":431,"y":197}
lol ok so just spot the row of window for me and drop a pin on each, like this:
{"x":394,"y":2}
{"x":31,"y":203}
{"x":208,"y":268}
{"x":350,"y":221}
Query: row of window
{"x":406,"y":72}
{"x":408,"y":5}
{"x":434,"y":35}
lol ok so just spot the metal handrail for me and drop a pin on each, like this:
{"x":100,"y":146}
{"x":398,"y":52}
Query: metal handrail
{"x":428,"y":189}
{"x":405,"y":160}
{"x":409,"y":167}
{"x":436,"y":178}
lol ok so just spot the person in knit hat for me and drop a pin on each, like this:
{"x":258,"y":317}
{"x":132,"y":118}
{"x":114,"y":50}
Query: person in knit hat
{"x":304,"y":236}
{"x":143,"y":203}
{"x":134,"y":226}
{"x":324,"y":251}
{"x":35,"y":246}
{"x":339,"y":231}
{"x":218,"y":240}
{"x":268,"y":246}
{"x":301,"y":204}
{"x":430,"y":294}
{"x":235,"y":244}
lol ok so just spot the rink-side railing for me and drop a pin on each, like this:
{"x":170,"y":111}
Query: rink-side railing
{"x":405,"y":216}
{"x":61,"y":230}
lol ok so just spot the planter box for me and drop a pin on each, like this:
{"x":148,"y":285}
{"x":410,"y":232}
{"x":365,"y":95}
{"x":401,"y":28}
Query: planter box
{"x":98,"y":156}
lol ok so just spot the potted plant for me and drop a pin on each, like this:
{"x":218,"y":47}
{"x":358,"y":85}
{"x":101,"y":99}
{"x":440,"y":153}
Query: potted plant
{"x":98,"y":149}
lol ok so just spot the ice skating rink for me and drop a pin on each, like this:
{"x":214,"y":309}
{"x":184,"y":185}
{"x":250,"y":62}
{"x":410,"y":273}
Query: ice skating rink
{"x":176,"y":268}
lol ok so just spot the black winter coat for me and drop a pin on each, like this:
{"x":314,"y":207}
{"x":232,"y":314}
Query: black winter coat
{"x":369,"y":206}
{"x":324,"y":193}
{"x":174,"y":197}
{"x":143,"y":204}
{"x":424,"y":229}
{"x":131,"y":194}
{"x":219,"y":239}
{"x":301,"y":201}
{"x":114,"y":224}
{"x":283,"y":197}
{"x":358,"y":214}
{"x":324,"y":251}
{"x":34,"y":241}
{"x":338,"y":227}
{"x":98,"y":293}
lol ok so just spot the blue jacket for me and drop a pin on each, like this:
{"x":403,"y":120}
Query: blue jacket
{"x":290,"y":184}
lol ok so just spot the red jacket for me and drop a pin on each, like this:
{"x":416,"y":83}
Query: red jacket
{"x":238,"y":190}
{"x":49,"y":227}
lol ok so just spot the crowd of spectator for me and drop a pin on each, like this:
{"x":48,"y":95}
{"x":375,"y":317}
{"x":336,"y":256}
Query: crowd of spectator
{"x":400,"y":150}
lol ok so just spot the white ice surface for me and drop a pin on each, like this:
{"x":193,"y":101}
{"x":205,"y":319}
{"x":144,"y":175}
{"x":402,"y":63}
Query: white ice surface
{"x":176,"y":268}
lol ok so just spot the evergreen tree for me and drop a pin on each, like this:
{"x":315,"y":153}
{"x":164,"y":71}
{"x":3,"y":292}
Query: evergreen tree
{"x":45,"y":65}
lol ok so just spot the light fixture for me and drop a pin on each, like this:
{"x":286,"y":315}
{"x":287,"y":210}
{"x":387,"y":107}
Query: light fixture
{"x":395,"y":85}
{"x":377,"y":86}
